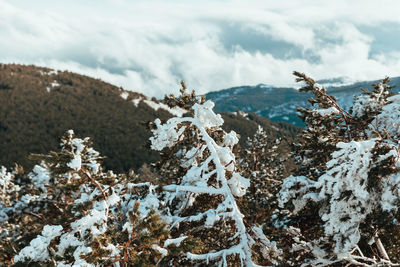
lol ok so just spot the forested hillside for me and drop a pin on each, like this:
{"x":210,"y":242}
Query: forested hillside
{"x":37,"y":105}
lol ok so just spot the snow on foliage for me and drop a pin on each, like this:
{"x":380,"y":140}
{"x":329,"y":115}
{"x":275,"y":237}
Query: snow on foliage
{"x":87,"y":216}
{"x":166,"y":136}
{"x":6,"y":185}
{"x":347,"y":173}
{"x":326,"y":111}
{"x":238,"y":185}
{"x":269,"y":249}
{"x":82,"y":155}
{"x":389,"y":119}
{"x":40,"y":177}
{"x":8,"y":191}
{"x":209,"y":165}
{"x":370,"y":102}
{"x":37,"y":249}
{"x":356,"y":189}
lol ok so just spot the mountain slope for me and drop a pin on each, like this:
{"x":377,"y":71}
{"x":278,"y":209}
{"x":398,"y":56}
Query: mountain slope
{"x":37,"y":105}
{"x":279,"y":104}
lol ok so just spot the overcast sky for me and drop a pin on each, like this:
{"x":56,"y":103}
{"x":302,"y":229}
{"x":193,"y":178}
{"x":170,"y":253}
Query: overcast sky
{"x":149,"y":46}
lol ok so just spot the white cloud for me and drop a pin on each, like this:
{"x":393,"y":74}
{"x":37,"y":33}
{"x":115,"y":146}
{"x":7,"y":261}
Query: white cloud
{"x":148,"y":46}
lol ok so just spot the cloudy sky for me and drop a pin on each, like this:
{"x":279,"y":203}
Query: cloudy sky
{"x":149,"y":46}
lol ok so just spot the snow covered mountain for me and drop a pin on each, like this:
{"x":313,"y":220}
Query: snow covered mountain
{"x":279,"y":104}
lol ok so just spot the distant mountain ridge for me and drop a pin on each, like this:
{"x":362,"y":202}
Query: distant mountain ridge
{"x":37,"y":105}
{"x":279,"y":104}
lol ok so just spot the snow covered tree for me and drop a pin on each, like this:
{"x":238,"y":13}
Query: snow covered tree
{"x":202,"y":184}
{"x":345,"y":197}
{"x":68,"y":212}
{"x":264,"y":165}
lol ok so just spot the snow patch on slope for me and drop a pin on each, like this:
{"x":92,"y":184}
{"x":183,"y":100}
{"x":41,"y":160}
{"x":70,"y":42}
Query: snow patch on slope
{"x":176,"y":111}
{"x":124,"y":95}
{"x":136,"y":101}
{"x":52,"y":85}
{"x":55,"y":84}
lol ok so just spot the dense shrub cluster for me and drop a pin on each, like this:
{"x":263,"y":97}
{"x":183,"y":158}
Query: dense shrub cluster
{"x":210,"y":203}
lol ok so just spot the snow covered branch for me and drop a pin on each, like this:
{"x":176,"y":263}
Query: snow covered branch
{"x":210,"y":170}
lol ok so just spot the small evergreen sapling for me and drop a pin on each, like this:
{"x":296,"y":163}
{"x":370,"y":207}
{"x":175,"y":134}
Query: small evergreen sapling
{"x":264,"y":164}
